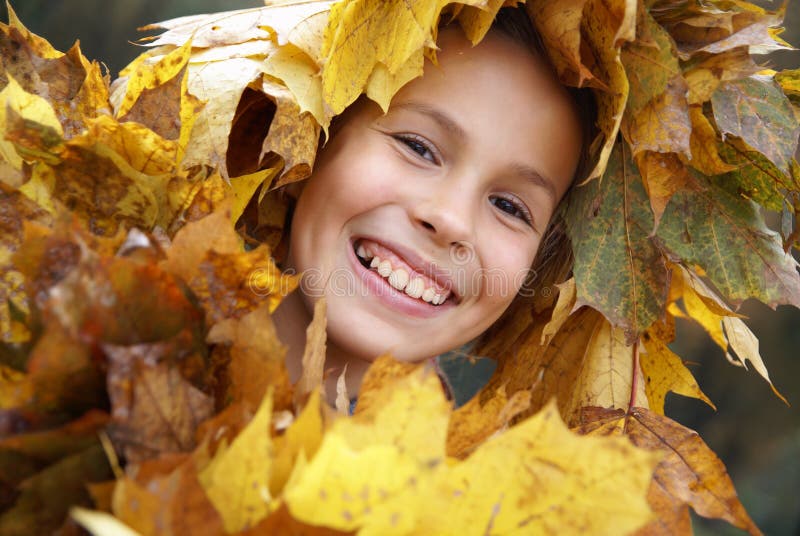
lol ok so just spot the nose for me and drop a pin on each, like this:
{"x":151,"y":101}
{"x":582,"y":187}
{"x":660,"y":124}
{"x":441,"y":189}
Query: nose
{"x":446,"y":215}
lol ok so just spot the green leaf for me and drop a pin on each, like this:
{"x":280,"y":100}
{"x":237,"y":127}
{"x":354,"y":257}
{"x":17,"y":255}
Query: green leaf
{"x":757,"y":111}
{"x":755,"y":177}
{"x":618,"y":269}
{"x":726,"y":236}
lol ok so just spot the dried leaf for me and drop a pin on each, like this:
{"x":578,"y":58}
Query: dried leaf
{"x":663,"y":175}
{"x":314,"y":354}
{"x":727,"y":237}
{"x":559,"y":25}
{"x":657,"y":112}
{"x":757,"y":111}
{"x":607,"y":26}
{"x":154,"y":409}
{"x":705,"y":156}
{"x":690,"y":472}
{"x":745,"y":345}
{"x":256,"y":358}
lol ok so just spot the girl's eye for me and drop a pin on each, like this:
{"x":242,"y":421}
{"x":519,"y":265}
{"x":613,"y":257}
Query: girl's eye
{"x":513,"y":208}
{"x":418,"y":145}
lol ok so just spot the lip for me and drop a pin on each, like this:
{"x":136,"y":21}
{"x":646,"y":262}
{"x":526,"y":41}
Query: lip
{"x":393,"y":298}
{"x":428,"y":268}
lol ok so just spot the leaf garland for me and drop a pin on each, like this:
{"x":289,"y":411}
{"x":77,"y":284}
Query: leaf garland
{"x":130,"y":308}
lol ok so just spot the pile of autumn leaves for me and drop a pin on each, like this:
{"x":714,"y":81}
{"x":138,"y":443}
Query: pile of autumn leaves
{"x":140,"y":374}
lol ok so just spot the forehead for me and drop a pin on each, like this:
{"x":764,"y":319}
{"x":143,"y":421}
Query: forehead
{"x":502,"y":95}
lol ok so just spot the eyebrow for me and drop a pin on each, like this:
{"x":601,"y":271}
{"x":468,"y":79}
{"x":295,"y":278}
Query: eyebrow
{"x":530,"y":174}
{"x":447,"y":123}
{"x":442,"y":119}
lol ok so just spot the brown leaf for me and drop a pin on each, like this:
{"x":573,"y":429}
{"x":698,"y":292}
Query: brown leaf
{"x":256,"y":358}
{"x":228,"y":281}
{"x":154,"y":409}
{"x":313,"y":354}
{"x":559,"y":25}
{"x":46,"y":497}
{"x":474,"y":422}
{"x":167,"y":500}
{"x":15,"y":209}
{"x":606,"y":26}
{"x":586,"y":360}
{"x":689,"y":474}
{"x":292,"y":135}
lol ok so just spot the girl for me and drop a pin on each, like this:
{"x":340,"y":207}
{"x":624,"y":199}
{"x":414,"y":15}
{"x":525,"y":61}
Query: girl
{"x":420,"y":226}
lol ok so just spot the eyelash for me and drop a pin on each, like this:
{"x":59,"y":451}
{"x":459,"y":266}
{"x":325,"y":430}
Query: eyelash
{"x":421,"y":146}
{"x":522,"y":211}
{"x":416,"y":143}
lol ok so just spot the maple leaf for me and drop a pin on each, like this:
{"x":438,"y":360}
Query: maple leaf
{"x":113,"y":312}
{"x":759,"y":113}
{"x":609,"y":224}
{"x":689,"y":474}
{"x":236,"y":479}
{"x":382,"y":502}
{"x":726,"y":236}
{"x":657,"y":112}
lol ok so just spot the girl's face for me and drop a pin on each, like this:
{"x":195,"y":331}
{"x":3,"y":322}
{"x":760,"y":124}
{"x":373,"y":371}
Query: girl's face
{"x":445,"y":197}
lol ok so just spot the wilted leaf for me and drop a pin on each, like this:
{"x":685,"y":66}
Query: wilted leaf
{"x":292,"y":134}
{"x":758,"y":112}
{"x":607,"y":25}
{"x":690,"y":472}
{"x":657,"y":113}
{"x":663,"y":175}
{"x":727,"y":237}
{"x":164,"y":496}
{"x":314,"y":354}
{"x":157,"y":97}
{"x":559,"y":23}
{"x":745,"y":345}
{"x":46,"y":497}
{"x":229,"y":281}
{"x":256,"y":358}
{"x":609,"y":223}
{"x":703,"y":143}
{"x":15,"y":209}
{"x":154,"y":408}
{"x":29,"y":107}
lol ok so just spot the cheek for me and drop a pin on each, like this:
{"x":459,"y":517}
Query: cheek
{"x":509,"y":267}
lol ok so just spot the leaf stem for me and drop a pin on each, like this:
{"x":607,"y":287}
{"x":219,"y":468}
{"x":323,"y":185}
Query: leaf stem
{"x":634,"y":377}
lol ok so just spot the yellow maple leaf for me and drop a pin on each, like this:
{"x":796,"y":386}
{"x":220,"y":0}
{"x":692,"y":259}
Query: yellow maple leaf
{"x":30,"y":108}
{"x":237,"y":477}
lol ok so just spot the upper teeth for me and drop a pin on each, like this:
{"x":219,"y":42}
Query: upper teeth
{"x":400,"y":279}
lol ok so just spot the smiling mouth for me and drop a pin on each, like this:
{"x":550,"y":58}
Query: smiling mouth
{"x":401,"y":278}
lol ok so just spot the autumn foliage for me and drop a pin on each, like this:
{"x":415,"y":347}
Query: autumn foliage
{"x":142,"y":385}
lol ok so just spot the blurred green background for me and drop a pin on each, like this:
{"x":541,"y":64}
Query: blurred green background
{"x":753,"y":432}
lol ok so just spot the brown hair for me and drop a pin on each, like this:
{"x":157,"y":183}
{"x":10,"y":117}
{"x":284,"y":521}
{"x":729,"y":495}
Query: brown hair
{"x":553,"y":262}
